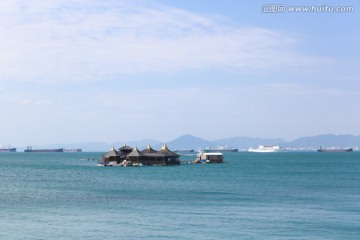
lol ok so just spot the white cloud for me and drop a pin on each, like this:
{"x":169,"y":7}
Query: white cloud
{"x":59,"y":41}
{"x":25,"y":101}
{"x":62,"y":41}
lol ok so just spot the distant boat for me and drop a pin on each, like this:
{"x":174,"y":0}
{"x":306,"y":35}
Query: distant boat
{"x":184,"y":151}
{"x":220,"y":149}
{"x":7,"y":149}
{"x":265,"y":148}
{"x":29,"y":149}
{"x":73,"y":150}
{"x":321,"y":149}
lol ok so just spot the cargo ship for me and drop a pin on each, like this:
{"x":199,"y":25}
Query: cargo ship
{"x":7,"y":149}
{"x":184,"y":151}
{"x":29,"y":149}
{"x":321,"y":149}
{"x":72,"y":150}
{"x":220,"y":149}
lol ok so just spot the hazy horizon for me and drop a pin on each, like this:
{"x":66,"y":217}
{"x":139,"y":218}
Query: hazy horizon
{"x":88,"y":71}
{"x":144,"y":142}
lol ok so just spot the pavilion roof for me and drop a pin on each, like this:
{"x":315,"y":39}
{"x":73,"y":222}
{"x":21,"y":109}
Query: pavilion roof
{"x":112,"y":153}
{"x":135,"y":153}
{"x":165,"y":151}
{"x":149,"y":150}
{"x":125,"y":147}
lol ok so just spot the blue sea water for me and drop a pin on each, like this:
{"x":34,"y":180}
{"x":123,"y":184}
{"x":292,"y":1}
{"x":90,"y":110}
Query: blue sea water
{"x":289,"y":195}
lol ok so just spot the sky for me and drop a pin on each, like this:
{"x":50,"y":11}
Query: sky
{"x":92,"y":70}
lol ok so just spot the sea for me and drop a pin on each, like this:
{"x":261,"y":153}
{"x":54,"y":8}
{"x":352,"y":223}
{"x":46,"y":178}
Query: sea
{"x":285,"y":195}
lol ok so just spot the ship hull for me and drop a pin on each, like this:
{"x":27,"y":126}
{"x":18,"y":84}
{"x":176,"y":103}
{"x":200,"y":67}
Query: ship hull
{"x":73,"y":150}
{"x":44,"y":150}
{"x":335,"y":150}
{"x":185,"y":151}
{"x":262,"y":151}
{"x":222,"y":151}
{"x":7,"y":149}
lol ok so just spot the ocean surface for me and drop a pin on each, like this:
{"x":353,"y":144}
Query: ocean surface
{"x":289,"y":195}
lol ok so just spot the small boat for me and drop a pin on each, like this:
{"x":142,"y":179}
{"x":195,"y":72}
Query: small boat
{"x":265,"y":148}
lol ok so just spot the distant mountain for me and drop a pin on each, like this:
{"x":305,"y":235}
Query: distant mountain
{"x":192,"y":142}
{"x":328,"y":140}
{"x":141,"y":144}
{"x":188,"y":142}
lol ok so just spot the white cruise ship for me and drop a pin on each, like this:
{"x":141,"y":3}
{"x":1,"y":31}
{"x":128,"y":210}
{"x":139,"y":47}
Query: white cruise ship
{"x":265,"y":148}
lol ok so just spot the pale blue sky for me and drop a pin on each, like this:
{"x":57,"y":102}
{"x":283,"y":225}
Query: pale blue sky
{"x":75,"y":71}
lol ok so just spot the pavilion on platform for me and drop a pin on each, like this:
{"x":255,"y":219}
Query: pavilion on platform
{"x":127,"y":155}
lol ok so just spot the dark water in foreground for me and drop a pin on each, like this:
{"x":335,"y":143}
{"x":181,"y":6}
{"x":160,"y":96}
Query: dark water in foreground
{"x":251,"y":196}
